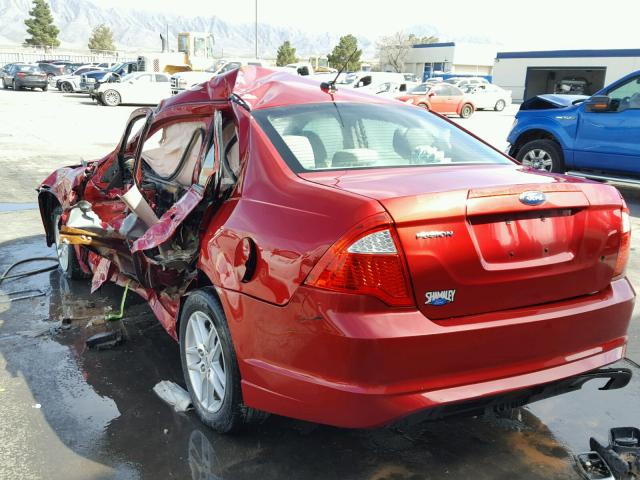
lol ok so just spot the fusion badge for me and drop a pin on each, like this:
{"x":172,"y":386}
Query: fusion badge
{"x":439,"y":298}
{"x":434,"y":234}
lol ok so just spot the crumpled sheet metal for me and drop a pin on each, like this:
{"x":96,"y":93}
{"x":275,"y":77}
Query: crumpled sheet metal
{"x":169,"y":222}
{"x":262,"y":87}
{"x":100,"y":274}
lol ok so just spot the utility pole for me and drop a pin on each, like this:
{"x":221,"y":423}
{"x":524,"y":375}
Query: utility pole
{"x":256,"y":55}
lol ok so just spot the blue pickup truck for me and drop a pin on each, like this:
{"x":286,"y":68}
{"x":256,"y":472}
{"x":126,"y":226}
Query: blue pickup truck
{"x":595,"y":137}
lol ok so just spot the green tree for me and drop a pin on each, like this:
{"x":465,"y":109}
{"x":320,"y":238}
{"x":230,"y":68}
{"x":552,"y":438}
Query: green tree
{"x":101,"y":38}
{"x":417,"y":40}
{"x":341,"y":53}
{"x":40,"y":26}
{"x":286,"y":54}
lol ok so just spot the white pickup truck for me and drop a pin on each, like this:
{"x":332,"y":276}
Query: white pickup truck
{"x":182,"y":81}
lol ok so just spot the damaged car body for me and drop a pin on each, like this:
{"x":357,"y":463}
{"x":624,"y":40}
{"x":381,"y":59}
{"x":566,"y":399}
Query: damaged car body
{"x":347,"y":259}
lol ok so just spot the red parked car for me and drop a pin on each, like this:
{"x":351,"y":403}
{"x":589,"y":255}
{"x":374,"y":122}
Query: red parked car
{"x":441,"y":98}
{"x":347,"y":260}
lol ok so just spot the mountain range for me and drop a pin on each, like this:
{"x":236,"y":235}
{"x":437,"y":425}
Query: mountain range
{"x":136,"y":30}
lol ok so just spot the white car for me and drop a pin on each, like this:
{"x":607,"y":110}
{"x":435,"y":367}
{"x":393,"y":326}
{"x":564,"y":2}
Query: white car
{"x":143,"y":88}
{"x":71,"y":83}
{"x":462,"y":82}
{"x":488,"y":96}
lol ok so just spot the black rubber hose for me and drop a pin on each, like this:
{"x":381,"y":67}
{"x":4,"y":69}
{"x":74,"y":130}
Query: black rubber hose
{"x":5,"y":275}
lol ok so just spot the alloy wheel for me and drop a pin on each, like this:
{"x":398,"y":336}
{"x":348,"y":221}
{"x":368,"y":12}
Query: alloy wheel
{"x":539,"y":159}
{"x":111,"y":98}
{"x":205,"y":361}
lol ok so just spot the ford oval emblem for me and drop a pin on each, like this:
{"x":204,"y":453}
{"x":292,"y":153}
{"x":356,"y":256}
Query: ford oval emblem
{"x":532,"y":198}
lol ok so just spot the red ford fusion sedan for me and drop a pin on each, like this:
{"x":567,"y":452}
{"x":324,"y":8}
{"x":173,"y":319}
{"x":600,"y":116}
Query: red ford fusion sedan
{"x":346,"y":259}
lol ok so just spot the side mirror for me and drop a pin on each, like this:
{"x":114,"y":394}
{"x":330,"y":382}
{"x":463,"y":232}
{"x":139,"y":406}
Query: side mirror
{"x":431,"y":94}
{"x":598,"y":103}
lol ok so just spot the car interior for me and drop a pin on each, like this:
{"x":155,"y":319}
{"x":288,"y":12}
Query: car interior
{"x":168,"y":159}
{"x":333,"y":139}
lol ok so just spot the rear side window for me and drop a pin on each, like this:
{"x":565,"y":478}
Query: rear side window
{"x":420,"y":89}
{"x":173,"y":144}
{"x":441,"y":90}
{"x":336,"y":136}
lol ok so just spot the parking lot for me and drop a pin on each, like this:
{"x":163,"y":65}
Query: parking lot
{"x":69,"y":412}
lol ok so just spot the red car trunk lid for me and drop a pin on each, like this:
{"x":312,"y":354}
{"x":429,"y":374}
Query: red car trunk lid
{"x":481,"y":249}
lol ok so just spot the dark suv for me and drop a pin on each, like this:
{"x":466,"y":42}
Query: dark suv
{"x":52,"y":70}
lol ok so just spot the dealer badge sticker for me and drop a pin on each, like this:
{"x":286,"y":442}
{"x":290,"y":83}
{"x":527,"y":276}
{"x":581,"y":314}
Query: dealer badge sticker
{"x":440,"y":297}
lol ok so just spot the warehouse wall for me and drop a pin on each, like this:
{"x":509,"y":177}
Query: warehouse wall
{"x":510,"y":73}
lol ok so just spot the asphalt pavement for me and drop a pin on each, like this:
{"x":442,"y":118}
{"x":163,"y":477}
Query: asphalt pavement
{"x":67,"y":412}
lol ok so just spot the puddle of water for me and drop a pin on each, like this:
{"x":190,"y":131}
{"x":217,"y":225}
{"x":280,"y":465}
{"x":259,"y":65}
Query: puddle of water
{"x":16,"y":207}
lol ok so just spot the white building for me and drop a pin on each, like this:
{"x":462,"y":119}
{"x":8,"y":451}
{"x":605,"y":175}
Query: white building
{"x":451,"y":58}
{"x":528,"y":74}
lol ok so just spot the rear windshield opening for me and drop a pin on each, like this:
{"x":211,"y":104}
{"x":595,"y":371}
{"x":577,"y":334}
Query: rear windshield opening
{"x":29,"y":68}
{"x":336,"y":136}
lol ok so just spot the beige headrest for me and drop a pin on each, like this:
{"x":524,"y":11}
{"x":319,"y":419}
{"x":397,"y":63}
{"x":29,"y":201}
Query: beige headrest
{"x":300,"y":146}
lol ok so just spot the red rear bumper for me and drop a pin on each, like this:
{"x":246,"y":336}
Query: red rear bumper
{"x":348,"y":361}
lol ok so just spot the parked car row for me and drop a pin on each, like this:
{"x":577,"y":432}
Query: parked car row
{"x":19,"y":75}
{"x":109,"y":84}
{"x":458,"y":97}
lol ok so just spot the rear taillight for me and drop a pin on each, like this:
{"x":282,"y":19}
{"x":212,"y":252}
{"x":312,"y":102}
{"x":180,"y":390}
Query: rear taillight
{"x":625,"y":242}
{"x":20,"y":75}
{"x":368,"y":260}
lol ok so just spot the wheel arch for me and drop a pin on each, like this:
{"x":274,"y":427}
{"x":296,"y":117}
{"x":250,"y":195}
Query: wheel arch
{"x":464,"y":103}
{"x":535,"y":134}
{"x":200,"y":282}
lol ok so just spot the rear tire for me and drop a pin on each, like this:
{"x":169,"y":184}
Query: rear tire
{"x":45,"y":88}
{"x":208,"y":356}
{"x":66,"y":253}
{"x":499,"y":106}
{"x":4,"y":84}
{"x":466,"y":111}
{"x":111,"y":98}
{"x":66,"y":87}
{"x":543,"y":154}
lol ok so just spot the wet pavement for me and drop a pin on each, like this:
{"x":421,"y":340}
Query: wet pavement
{"x":69,"y":412}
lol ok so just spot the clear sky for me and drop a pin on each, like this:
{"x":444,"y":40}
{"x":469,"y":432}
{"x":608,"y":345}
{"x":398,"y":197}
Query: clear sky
{"x":515,"y":24}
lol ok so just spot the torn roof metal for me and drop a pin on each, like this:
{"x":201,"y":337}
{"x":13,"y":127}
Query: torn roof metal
{"x":261,"y":88}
